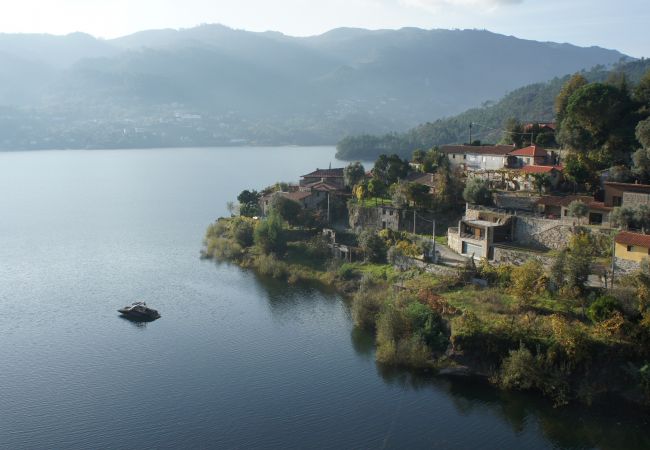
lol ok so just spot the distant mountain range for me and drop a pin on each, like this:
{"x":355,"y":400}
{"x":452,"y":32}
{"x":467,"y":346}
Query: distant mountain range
{"x":212,"y":85}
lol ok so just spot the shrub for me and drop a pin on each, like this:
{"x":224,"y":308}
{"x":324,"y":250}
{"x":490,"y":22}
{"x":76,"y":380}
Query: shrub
{"x":366,"y":305}
{"x":223,"y":248}
{"x":242,"y":231}
{"x":269,"y":235}
{"x":603,"y":308}
{"x":270,"y":266}
{"x":519,"y":370}
{"x":477,"y":191}
{"x":373,"y":247}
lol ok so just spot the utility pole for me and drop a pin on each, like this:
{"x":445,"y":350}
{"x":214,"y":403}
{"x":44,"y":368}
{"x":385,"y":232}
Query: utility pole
{"x":414,"y":220}
{"x":611,"y":283}
{"x":433,"y":238}
{"x":470,"y":133}
{"x":328,"y":208}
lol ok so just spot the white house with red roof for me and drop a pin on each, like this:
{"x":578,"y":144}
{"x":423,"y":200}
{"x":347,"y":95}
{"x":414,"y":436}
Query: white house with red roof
{"x":533,"y":155}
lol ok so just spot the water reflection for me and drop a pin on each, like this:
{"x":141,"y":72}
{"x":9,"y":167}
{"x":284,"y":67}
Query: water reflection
{"x":138,"y":323}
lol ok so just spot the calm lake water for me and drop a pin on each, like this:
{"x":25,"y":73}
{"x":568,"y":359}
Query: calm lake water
{"x":236,"y":361}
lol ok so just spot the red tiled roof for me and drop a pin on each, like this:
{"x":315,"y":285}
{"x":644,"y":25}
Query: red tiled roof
{"x":556,"y":200}
{"x":628,"y":238}
{"x":421,"y":178}
{"x":325,"y":173}
{"x":550,"y":125}
{"x":500,"y":150}
{"x":296,"y":196}
{"x":531,"y":150}
{"x":628,"y":186}
{"x":540,"y":169}
{"x":324,"y":186}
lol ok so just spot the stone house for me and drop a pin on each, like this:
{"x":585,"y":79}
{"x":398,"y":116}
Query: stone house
{"x":626,"y":194}
{"x":333,"y":178}
{"x":306,"y":199}
{"x":557,"y":207}
{"x":478,"y":157}
{"x":479,"y":231}
{"x":630,"y":249}
{"x":532,"y":155}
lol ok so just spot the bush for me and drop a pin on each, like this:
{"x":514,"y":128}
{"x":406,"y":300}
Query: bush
{"x":223,"y":248}
{"x":603,"y":308}
{"x":373,"y":247}
{"x":269,"y":235}
{"x":270,"y":266}
{"x":477,"y":191}
{"x":519,"y":370}
{"x":242,"y":231}
{"x":366,"y":306}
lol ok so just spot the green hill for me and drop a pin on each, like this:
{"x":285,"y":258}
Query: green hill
{"x":532,"y":103}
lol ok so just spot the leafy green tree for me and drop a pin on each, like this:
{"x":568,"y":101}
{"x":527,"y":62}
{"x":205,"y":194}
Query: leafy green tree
{"x":527,"y":280}
{"x":579,"y":262}
{"x":419,"y":195}
{"x":373,"y":247}
{"x":269,"y":234}
{"x":376,"y":188}
{"x":399,"y":193}
{"x":641,"y":165}
{"x":541,"y":181}
{"x":249,"y":203}
{"x":353,"y":174}
{"x":578,"y":209}
{"x":578,"y":170}
{"x":288,"y":209}
{"x":418,"y":156}
{"x":562,"y":99}
{"x":600,"y":120}
{"x":477,"y":191}
{"x":513,"y":133}
{"x":643,"y":133}
{"x":389,"y":169}
{"x":622,"y":217}
{"x":603,"y":307}
{"x":620,"y":174}
{"x":242,"y":231}
{"x":642,"y":217}
{"x":642,"y":92}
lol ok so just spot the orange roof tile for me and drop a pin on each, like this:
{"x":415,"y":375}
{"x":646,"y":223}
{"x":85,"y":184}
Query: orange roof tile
{"x":629,"y":238}
{"x":540,"y":169}
{"x":532,"y":150}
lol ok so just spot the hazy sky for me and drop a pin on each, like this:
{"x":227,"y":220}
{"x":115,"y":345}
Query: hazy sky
{"x":621,"y":24}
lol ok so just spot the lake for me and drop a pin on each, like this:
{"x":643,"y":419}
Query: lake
{"x":236,"y":361}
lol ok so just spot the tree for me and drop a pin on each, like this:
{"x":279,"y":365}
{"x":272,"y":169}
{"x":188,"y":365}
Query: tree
{"x":513,"y":133}
{"x":249,"y":203}
{"x":372,"y":246}
{"x":418,"y":156}
{"x":541,"y":181}
{"x":578,"y":170}
{"x":562,"y":99}
{"x":288,"y":209}
{"x":578,"y":262}
{"x":528,"y":279}
{"x":578,"y":209}
{"x":620,"y":174}
{"x":269,"y":234}
{"x":642,"y":217}
{"x":376,"y":188}
{"x":600,"y":120}
{"x":353,"y":174}
{"x":419,"y":195}
{"x":477,"y":192}
{"x":361,"y":191}
{"x":643,"y":133}
{"x":242,"y":231}
{"x":642,"y":92}
{"x":399,"y":194}
{"x":389,"y":169}
{"x":622,"y":217}
{"x":641,"y":165}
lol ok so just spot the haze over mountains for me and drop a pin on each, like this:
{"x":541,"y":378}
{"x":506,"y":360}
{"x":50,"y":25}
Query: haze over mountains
{"x":212,"y":85}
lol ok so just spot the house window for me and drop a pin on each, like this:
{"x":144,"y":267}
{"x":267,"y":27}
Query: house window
{"x":464,"y":156}
{"x":390,"y":212}
{"x":629,"y":248}
{"x":453,"y":156}
{"x":383,"y":211}
{"x":617,"y":201}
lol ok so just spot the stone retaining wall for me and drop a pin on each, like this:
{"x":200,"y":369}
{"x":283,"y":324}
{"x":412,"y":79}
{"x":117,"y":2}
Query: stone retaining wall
{"x":517,"y":257}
